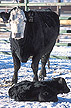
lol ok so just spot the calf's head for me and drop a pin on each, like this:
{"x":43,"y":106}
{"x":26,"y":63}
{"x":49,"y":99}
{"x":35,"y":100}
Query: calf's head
{"x":61,"y":85}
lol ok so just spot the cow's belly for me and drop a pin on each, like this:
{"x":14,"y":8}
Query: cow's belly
{"x":22,"y":57}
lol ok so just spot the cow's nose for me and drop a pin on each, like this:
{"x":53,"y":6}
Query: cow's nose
{"x":17,"y":35}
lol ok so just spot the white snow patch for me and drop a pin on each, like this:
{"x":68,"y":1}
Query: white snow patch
{"x":58,"y":68}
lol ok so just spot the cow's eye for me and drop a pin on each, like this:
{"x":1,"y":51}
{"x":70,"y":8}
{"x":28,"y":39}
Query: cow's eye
{"x":25,"y":21}
{"x":9,"y":20}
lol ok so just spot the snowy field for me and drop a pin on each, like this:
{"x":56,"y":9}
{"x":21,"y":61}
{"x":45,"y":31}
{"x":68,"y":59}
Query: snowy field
{"x":58,"y":68}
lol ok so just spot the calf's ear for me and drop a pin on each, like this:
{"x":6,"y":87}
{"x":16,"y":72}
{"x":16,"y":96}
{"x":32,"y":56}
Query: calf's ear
{"x":60,"y":81}
{"x":4,"y":16}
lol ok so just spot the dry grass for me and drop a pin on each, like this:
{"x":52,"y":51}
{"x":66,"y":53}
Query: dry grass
{"x":4,"y":34}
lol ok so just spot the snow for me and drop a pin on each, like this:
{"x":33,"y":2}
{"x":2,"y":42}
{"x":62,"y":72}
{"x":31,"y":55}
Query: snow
{"x":58,"y":68}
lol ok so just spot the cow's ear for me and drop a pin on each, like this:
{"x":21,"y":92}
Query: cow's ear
{"x":31,"y":16}
{"x":4,"y":16}
{"x":31,"y":13}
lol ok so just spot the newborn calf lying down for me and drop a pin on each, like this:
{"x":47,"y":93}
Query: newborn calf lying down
{"x":42,"y":91}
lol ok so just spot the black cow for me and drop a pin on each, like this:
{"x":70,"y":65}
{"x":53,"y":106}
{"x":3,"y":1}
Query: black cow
{"x":43,"y":91}
{"x":33,"y":33}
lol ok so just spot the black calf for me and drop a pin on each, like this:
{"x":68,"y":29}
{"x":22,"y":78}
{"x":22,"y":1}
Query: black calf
{"x":43,"y":91}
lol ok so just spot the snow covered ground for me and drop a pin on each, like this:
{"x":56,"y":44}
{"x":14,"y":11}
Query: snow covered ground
{"x":58,"y":68}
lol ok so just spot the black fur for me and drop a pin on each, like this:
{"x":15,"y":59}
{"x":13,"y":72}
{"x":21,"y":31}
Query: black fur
{"x":41,"y":32}
{"x":43,"y":91}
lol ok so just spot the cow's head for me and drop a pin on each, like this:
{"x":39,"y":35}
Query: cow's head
{"x":17,"y":19}
{"x":17,"y":23}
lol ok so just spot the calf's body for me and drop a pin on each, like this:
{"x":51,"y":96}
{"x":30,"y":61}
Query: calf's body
{"x":43,"y":91}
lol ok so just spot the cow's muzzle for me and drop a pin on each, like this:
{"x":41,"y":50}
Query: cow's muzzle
{"x":17,"y":35}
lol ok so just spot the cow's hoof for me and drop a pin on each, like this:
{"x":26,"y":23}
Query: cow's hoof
{"x":41,"y":77}
{"x":35,"y":79}
{"x":43,"y":72}
{"x":14,"y":81}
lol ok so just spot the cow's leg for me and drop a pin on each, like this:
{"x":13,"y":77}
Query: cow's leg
{"x":17,"y":65}
{"x":34,"y":66}
{"x":44,"y":60}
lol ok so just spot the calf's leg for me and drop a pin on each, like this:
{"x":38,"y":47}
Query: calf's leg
{"x":17,"y":65}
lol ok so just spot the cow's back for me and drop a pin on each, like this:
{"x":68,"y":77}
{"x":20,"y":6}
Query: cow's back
{"x":43,"y":30}
{"x":50,"y":25}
